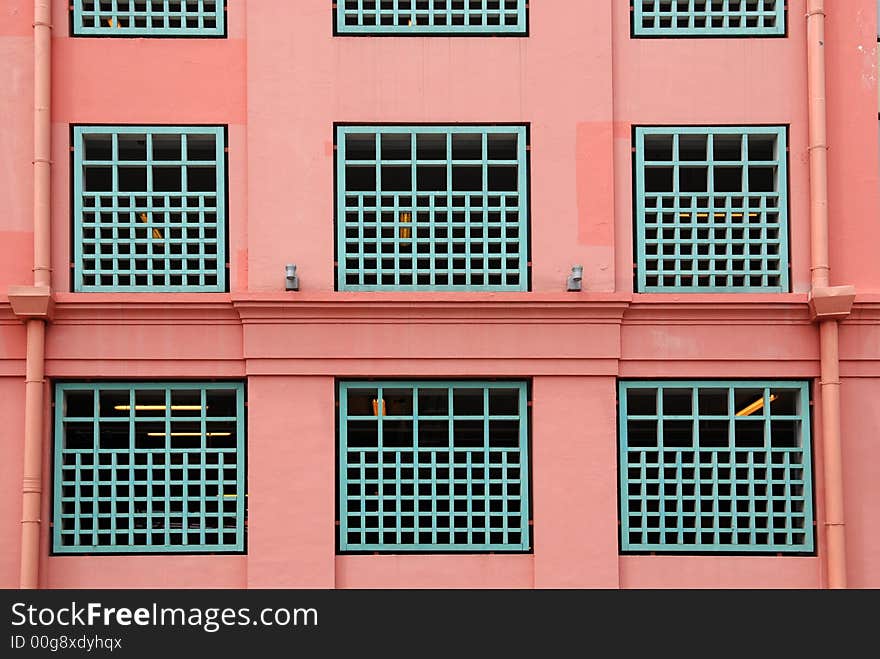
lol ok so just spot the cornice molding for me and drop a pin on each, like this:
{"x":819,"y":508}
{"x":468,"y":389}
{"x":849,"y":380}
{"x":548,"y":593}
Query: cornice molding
{"x":439,"y":308}
{"x":865,"y":310}
{"x":7,"y":315}
{"x":523,"y":308}
{"x":723,"y":309}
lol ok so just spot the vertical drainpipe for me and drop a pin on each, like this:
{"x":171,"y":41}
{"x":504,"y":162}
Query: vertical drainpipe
{"x":33,"y":304}
{"x":828,"y":304}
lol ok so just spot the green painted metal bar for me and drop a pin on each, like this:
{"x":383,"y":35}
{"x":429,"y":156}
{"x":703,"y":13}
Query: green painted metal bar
{"x":751,"y":489}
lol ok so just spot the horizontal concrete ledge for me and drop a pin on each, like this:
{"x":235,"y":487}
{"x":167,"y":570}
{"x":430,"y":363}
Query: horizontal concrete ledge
{"x":283,"y":307}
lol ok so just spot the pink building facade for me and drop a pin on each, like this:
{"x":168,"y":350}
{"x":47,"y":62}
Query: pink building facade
{"x":281,"y":83}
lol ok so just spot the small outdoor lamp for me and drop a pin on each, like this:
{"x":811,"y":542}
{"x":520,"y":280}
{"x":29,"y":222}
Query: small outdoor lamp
{"x":291,"y":279}
{"x":575,"y":279}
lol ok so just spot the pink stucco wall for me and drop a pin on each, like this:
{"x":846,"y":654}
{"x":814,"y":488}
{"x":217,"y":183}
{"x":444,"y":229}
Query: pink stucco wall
{"x":279,"y":82}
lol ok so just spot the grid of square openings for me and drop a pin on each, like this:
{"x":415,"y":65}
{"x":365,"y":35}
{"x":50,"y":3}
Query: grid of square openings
{"x":432,"y":208}
{"x":149,"y":208}
{"x":711,"y":209}
{"x":149,"y":18}
{"x":427,"y":17}
{"x":149,"y":467}
{"x":722,"y":18}
{"x":433,"y":466}
{"x":715,"y":466}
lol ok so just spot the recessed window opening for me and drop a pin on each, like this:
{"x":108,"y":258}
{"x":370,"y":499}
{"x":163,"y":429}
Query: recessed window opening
{"x":149,"y":209}
{"x":432,"y":208}
{"x":149,"y":468}
{"x":731,"y":18}
{"x":711,"y":209}
{"x":426,"y":17}
{"x":145,"y":18}
{"x":715,"y":466}
{"x":433,"y":466}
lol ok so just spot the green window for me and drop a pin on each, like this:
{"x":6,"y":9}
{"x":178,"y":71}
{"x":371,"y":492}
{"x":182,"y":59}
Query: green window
{"x":708,"y":18}
{"x":431,"y":17}
{"x":711,"y":209}
{"x":149,"y":208}
{"x":432,"y":208}
{"x":149,"y":467}
{"x":433,"y":466}
{"x":715,"y":466}
{"x":148,"y":18}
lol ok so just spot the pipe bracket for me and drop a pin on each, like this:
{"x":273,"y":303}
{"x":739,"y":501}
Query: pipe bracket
{"x":831,"y":302}
{"x":32,"y":486}
{"x":32,"y":302}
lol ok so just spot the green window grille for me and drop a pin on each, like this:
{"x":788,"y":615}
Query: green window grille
{"x":149,"y":208}
{"x":431,"y":17}
{"x":708,"y":18}
{"x":715,"y":466}
{"x":432,"y":208}
{"x":711,"y":209}
{"x":149,"y":18}
{"x":149,"y":467}
{"x":433,"y":466}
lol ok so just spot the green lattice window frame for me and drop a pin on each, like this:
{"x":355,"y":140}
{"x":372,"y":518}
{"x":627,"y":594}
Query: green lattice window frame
{"x":711,"y":209}
{"x":149,"y":209}
{"x":148,"y":18}
{"x":432,"y":208}
{"x":431,"y":17}
{"x":433,"y":466}
{"x":149,"y":467}
{"x":715,"y":466}
{"x":708,"y":18}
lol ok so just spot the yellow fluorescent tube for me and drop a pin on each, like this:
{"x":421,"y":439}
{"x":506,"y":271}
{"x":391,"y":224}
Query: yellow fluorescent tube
{"x":153,"y":408}
{"x":717,"y":214}
{"x":156,"y":233}
{"x":754,"y":407}
{"x":189,"y":434}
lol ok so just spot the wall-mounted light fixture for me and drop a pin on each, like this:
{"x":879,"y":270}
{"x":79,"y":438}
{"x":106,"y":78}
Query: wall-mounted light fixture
{"x":291,"y":279}
{"x":575,"y":279}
